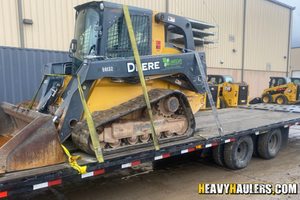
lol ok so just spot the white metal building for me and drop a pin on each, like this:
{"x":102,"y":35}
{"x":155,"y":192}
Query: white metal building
{"x":253,"y":37}
{"x":295,"y":62}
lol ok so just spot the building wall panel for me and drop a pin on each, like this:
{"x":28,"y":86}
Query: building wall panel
{"x":259,"y":80}
{"x":156,"y":5}
{"x":267,"y":27}
{"x":267,"y":31}
{"x":9,"y":20}
{"x":295,"y":59}
{"x":235,"y":73}
{"x":228,"y":15}
{"x":54,"y":21}
{"x":21,"y":71}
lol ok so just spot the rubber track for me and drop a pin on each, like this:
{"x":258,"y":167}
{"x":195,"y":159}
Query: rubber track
{"x":80,"y":134}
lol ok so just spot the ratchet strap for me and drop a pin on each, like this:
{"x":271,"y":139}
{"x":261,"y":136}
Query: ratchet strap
{"x":34,"y":97}
{"x":44,"y":77}
{"x":90,"y":122}
{"x":140,"y":71}
{"x":73,"y":163}
{"x":211,"y":101}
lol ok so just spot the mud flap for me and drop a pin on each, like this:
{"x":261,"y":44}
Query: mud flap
{"x":27,"y":146}
{"x":285,"y":136}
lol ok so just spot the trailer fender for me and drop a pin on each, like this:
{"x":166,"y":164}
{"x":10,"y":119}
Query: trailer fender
{"x":285,"y":136}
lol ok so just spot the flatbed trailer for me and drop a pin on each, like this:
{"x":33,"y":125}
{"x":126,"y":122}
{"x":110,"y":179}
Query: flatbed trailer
{"x":252,"y":120}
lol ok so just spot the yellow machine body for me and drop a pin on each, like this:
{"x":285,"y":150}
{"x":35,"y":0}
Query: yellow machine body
{"x":112,"y":94}
{"x":215,"y":95}
{"x":230,"y":94}
{"x":279,"y":93}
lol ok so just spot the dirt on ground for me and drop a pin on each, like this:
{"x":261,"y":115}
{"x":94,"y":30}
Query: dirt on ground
{"x":178,"y":178}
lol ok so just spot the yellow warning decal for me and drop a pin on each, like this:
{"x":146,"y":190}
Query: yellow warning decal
{"x":249,"y":188}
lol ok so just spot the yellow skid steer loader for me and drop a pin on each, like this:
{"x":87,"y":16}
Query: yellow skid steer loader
{"x":231,"y":94}
{"x":281,"y":91}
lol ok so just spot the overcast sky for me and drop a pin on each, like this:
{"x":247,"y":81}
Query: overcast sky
{"x":296,"y":21}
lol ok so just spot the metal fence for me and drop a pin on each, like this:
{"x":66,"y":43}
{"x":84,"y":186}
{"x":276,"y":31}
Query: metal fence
{"x":21,"y":71}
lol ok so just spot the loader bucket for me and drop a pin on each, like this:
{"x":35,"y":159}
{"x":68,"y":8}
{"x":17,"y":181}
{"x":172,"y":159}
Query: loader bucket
{"x":28,"y":139}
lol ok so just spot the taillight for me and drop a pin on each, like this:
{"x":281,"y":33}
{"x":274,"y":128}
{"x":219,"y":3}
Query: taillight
{"x":235,"y":93}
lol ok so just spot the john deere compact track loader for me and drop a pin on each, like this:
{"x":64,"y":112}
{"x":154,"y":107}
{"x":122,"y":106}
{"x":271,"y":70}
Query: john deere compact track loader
{"x":105,"y":74}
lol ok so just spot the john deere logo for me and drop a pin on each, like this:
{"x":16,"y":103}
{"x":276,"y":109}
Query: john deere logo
{"x":166,"y":62}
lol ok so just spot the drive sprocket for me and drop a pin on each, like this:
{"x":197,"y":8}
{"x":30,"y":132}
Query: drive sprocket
{"x":168,"y":106}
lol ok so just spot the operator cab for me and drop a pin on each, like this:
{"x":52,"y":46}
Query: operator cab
{"x":219,"y":79}
{"x":295,"y":80}
{"x":277,"y":81}
{"x":101,"y":31}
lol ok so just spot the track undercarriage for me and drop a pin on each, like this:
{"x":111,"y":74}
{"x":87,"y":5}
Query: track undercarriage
{"x":128,"y":124}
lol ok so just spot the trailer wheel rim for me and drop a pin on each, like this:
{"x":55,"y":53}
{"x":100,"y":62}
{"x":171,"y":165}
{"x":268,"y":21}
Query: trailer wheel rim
{"x":273,"y":142}
{"x":242,"y":151}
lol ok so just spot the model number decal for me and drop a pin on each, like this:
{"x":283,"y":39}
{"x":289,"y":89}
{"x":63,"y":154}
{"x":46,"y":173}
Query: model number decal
{"x":107,"y":69}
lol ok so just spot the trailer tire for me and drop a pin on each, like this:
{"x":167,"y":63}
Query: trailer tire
{"x":218,"y":155}
{"x":269,"y":144}
{"x":238,"y":154}
{"x":222,"y":104}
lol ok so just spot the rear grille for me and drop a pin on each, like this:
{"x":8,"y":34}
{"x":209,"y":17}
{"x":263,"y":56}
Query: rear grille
{"x":298,"y":92}
{"x":243,"y":95}
{"x":214,"y":94}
